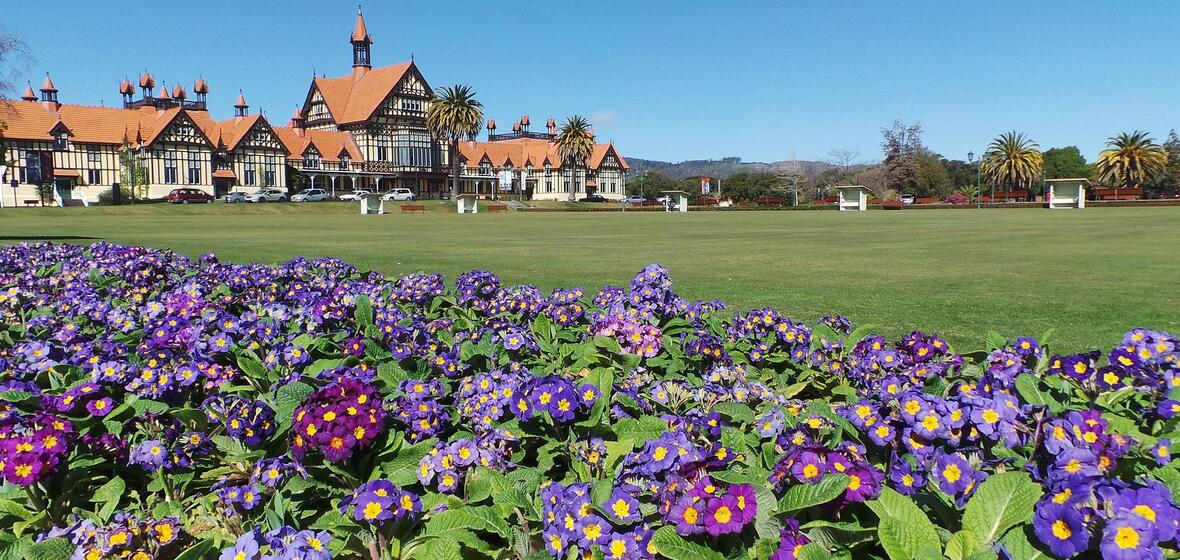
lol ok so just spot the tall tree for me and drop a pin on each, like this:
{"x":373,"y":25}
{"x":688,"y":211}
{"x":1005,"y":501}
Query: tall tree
{"x":1065,"y":163}
{"x":1170,"y":180}
{"x":574,"y":144}
{"x":901,"y":143}
{"x":451,"y":117}
{"x":1131,"y":160}
{"x":13,"y":54}
{"x":1012,"y":160}
{"x":933,"y":178}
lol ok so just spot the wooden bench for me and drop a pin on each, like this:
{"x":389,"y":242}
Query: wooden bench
{"x":706,"y":202}
{"x":32,"y":202}
{"x":829,"y":200}
{"x":927,"y":200}
{"x":498,"y":208}
{"x":414,"y":208}
{"x":769,"y":201}
{"x":1007,"y":196}
{"x":1117,"y":194}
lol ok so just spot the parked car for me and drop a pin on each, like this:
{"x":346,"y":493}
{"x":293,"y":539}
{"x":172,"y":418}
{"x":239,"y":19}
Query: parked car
{"x":593,"y":198}
{"x":267,"y":195}
{"x":185,"y":196}
{"x":907,"y":199}
{"x":311,"y":195}
{"x":399,"y":194}
{"x":633,"y":200}
{"x":234,"y":197}
{"x":1170,"y":194}
{"x":354,"y":196}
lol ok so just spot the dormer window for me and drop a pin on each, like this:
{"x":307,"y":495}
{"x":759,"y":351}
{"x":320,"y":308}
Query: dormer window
{"x":61,"y":141}
{"x":548,"y":167}
{"x":344,"y":159}
{"x":311,"y":161}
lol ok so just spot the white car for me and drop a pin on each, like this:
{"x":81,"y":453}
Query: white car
{"x":398,"y":194}
{"x":354,"y":196}
{"x":311,"y":195}
{"x":234,"y":197}
{"x":267,"y":195}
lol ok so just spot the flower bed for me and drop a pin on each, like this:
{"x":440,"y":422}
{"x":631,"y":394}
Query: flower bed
{"x":155,"y":406}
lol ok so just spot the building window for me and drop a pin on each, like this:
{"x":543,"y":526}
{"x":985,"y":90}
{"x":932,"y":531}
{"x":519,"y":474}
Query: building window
{"x":61,"y":142}
{"x":194,"y":169}
{"x":567,"y":186}
{"x":269,"y":173}
{"x":170,"y":168}
{"x":93,"y":177}
{"x":251,"y":174}
{"x":548,"y":185}
{"x":311,"y":161}
{"x":413,"y":150}
{"x":344,"y":159}
{"x":382,"y":148}
{"x":92,"y":154}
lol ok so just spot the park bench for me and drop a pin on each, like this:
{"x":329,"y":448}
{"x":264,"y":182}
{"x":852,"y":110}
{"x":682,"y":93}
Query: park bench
{"x":414,"y":208}
{"x":769,"y":201}
{"x":1007,"y":196}
{"x":652,"y":203}
{"x":1117,"y":194}
{"x":828,"y":200}
{"x":499,"y":208}
{"x":927,"y":200}
{"x":32,"y":202}
{"x":890,"y":204}
{"x":706,"y":202}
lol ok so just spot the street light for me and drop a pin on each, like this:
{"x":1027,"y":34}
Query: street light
{"x":978,"y":187}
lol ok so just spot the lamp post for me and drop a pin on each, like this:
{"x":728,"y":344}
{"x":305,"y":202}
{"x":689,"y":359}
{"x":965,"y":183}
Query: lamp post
{"x":978,"y":194}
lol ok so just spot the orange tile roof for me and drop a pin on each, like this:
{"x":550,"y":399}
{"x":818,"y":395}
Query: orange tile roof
{"x":224,"y":174}
{"x":354,"y":100}
{"x":235,"y":129}
{"x":31,"y":120}
{"x":521,"y":152}
{"x":360,"y":33}
{"x":329,"y":143}
{"x":67,"y":173}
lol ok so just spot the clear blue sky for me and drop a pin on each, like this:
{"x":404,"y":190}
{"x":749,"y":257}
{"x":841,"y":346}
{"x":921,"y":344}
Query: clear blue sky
{"x":668,"y":80}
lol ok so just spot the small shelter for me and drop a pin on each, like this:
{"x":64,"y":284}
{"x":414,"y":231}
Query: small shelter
{"x":675,"y":201}
{"x":467,"y":203}
{"x":372,"y":204}
{"x":1066,"y":193}
{"x":853,"y":198}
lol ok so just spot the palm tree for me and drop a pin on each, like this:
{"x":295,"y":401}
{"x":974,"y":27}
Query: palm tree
{"x":1131,"y":159}
{"x":1012,"y":159}
{"x":452,"y":116}
{"x":574,"y":144}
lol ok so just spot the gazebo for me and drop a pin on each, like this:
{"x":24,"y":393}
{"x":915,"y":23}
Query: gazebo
{"x":1067,"y":193}
{"x":677,"y":201}
{"x":372,"y":204}
{"x":853,"y":198}
{"x":467,"y":203}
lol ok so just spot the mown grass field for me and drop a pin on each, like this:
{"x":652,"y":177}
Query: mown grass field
{"x":1089,"y":274}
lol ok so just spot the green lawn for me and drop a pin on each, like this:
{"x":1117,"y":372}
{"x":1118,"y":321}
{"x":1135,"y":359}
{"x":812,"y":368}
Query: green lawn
{"x":1089,"y":274}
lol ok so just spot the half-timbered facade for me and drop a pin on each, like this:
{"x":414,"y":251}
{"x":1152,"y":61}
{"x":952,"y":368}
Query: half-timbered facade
{"x":365,"y":130}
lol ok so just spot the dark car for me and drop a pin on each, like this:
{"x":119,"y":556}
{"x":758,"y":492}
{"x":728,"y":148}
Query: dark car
{"x":186,"y":196}
{"x":593,"y":198}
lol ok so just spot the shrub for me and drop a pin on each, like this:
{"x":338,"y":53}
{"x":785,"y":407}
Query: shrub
{"x":153,"y":406}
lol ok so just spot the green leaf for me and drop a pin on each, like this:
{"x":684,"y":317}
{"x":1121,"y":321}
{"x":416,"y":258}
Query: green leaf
{"x":1002,"y":501}
{"x":438,"y":548}
{"x":58,"y":548}
{"x":737,"y":412}
{"x":288,"y":398}
{"x":905,"y":531}
{"x":960,"y":545}
{"x":1031,"y":390}
{"x":199,"y":551}
{"x":1170,"y":477}
{"x":995,"y":340}
{"x":674,"y":547}
{"x":803,"y":496}
{"x":1021,"y":547}
{"x":402,"y":470}
{"x":641,"y":429}
{"x":364,"y":311}
{"x":813,"y":551}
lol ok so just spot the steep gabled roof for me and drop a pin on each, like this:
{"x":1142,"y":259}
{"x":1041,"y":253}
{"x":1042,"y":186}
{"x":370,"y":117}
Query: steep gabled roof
{"x":600,"y":152}
{"x":329,"y":143}
{"x":235,"y":129}
{"x":352,"y":99}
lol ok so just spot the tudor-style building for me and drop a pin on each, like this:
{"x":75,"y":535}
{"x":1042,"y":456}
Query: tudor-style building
{"x":364,"y":130}
{"x":77,"y":150}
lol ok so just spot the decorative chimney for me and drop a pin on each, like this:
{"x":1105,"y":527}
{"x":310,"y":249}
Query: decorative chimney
{"x":127,"y":91}
{"x":551,"y":125}
{"x":361,"y":47}
{"x":297,"y":119}
{"x":201,"y":88}
{"x":29,"y":95}
{"x":147,"y":83}
{"x":524,"y":122}
{"x":178,"y":93}
{"x":49,"y":94}
{"x":516,"y":126}
{"x":241,"y":109}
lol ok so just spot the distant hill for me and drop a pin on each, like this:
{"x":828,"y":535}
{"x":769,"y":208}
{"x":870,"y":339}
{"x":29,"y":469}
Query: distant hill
{"x":724,"y":167}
